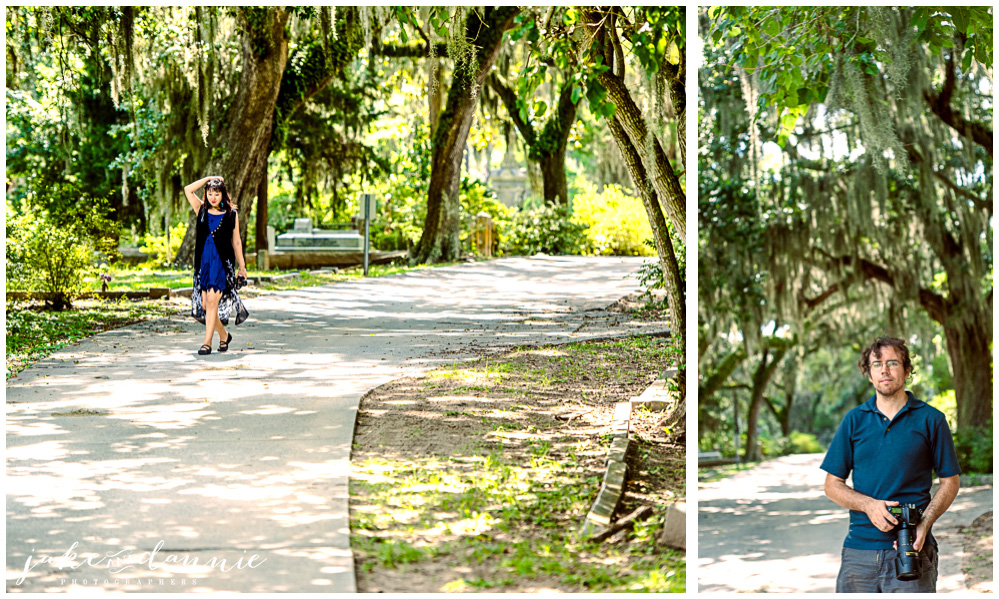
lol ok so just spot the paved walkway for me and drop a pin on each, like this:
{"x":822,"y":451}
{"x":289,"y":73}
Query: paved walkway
{"x":772,"y":529}
{"x":129,"y":442}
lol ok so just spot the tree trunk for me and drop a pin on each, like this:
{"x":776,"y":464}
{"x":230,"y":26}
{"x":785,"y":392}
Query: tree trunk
{"x":546,"y":149}
{"x":971,"y":362}
{"x":555,"y":187}
{"x":761,"y":378}
{"x":660,"y":234}
{"x":435,"y":77}
{"x":440,"y":240}
{"x":249,"y":121}
{"x":663,"y":177}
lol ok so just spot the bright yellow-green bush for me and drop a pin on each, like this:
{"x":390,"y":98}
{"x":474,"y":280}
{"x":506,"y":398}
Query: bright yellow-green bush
{"x":805,"y":443}
{"x":617,"y":222}
{"x":157,"y":245}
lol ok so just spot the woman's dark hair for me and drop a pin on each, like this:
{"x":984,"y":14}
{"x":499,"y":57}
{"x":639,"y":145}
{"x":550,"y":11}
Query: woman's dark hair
{"x":219,"y":185}
{"x":876,"y":347}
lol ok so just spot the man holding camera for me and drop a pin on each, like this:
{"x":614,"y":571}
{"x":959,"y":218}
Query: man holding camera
{"x":891,"y":443}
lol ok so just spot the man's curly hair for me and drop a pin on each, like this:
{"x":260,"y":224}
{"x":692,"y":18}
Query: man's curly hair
{"x":879,"y":344}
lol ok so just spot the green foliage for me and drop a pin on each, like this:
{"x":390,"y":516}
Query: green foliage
{"x":796,"y":63}
{"x":556,"y":48}
{"x":403,"y":193}
{"x":258,"y":21}
{"x":662,"y":40}
{"x":547,"y":229}
{"x":805,"y":443}
{"x":157,"y":245}
{"x":974,"y":449}
{"x":771,"y":446}
{"x":282,"y":205}
{"x":616,"y":222}
{"x":55,"y":254}
{"x":946,"y":402}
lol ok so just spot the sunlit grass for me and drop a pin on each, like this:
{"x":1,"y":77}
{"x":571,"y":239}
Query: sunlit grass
{"x":475,"y":511}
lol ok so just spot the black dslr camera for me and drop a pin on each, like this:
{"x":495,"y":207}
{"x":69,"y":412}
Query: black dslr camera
{"x":907,"y":566}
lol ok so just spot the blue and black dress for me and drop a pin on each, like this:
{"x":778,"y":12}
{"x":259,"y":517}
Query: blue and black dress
{"x":215,"y":265}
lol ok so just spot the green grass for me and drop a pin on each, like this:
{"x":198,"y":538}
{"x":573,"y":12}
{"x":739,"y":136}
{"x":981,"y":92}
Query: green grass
{"x":518,"y":520}
{"x":137,"y":279}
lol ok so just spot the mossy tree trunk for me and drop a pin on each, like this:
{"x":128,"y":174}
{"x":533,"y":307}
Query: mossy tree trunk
{"x":241,"y":146}
{"x":672,"y":277}
{"x":440,"y":240}
{"x":547,"y":148}
{"x":631,"y":153}
{"x":271,"y":89}
{"x":765,"y":370}
{"x":662,"y":175}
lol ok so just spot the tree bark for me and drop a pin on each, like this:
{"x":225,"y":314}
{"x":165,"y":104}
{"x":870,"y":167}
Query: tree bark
{"x":435,"y":76}
{"x":440,"y":240}
{"x":761,"y":378}
{"x":971,"y":363}
{"x":660,"y":234}
{"x":249,"y":121}
{"x":940,"y":105}
{"x":663,"y":178}
{"x":548,"y":148}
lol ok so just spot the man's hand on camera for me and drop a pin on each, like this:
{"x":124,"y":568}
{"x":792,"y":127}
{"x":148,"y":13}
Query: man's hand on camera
{"x":881,"y":518}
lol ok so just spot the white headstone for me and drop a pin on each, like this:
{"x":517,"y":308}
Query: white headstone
{"x":303,"y":225}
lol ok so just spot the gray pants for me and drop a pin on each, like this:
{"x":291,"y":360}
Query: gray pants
{"x":873,"y":571}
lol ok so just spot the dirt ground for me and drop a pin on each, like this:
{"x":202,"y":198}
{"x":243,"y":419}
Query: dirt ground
{"x":476,"y":476}
{"x":978,"y":544}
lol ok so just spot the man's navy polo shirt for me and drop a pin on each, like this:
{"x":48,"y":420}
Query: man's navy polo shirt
{"x":891,"y":461}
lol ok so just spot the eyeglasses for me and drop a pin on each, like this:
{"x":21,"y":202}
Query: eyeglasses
{"x":892,"y":364}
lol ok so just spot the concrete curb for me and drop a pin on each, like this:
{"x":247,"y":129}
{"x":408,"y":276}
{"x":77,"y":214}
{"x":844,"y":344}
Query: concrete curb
{"x":612,"y":488}
{"x":599,"y":517}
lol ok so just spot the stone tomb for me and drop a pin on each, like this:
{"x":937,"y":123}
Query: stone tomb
{"x":303,"y":237}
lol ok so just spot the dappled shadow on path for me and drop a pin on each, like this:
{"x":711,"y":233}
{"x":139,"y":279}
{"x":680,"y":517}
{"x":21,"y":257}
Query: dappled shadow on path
{"x":130,"y":439}
{"x":770,"y":529}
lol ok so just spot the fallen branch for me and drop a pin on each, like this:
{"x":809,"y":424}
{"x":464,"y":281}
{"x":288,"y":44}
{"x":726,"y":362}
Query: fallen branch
{"x":626,"y":522}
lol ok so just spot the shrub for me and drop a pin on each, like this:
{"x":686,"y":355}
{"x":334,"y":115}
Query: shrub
{"x":157,"y":245}
{"x":946,"y":402}
{"x":617,"y":223}
{"x":546,"y":228}
{"x":805,"y":443}
{"x":974,"y":449}
{"x":42,"y":256}
{"x":55,"y":253}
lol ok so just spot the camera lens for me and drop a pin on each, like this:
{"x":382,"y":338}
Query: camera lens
{"x":907,"y":558}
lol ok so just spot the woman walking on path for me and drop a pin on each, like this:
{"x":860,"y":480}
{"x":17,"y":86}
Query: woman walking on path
{"x":217,"y":251}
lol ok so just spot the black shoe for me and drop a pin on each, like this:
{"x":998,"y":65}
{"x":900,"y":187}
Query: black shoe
{"x":224,"y":345}
{"x":205,"y":350}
